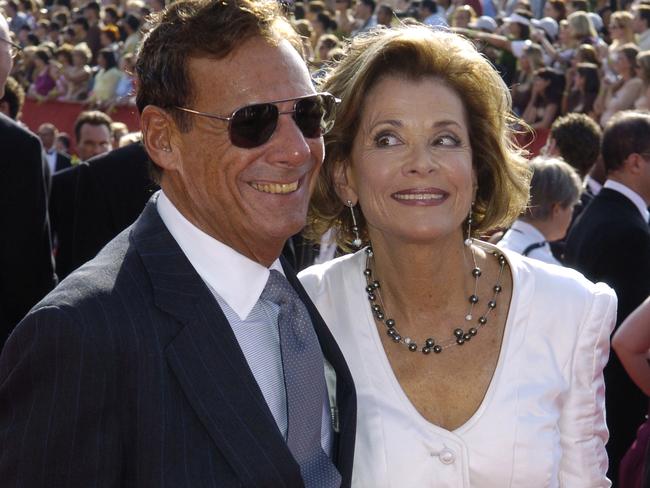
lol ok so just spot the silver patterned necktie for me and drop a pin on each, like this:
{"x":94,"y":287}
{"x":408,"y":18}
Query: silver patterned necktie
{"x":304,"y":378}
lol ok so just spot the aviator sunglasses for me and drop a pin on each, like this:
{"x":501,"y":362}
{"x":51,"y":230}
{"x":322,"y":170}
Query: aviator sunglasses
{"x":253,"y":125}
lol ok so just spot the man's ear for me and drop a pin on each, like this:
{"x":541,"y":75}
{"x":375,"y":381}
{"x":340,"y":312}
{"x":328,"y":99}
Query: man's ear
{"x":4,"y":108}
{"x":635,"y":163}
{"x":344,"y":183}
{"x":158,"y":130}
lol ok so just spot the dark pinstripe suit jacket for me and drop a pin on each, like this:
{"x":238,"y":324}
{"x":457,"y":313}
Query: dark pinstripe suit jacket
{"x":610,"y":242}
{"x":129,"y":375}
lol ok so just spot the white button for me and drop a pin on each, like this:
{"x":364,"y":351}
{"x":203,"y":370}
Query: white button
{"x":447,"y":456}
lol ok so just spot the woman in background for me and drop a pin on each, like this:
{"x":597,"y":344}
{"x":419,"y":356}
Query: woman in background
{"x":78,"y":76}
{"x":643,"y":62}
{"x":554,"y":191}
{"x":530,"y":61}
{"x":621,"y":32}
{"x":106,"y":79}
{"x":586,"y":85}
{"x":43,"y":82}
{"x":624,"y":92}
{"x":545,"y":99}
{"x":472,"y":366}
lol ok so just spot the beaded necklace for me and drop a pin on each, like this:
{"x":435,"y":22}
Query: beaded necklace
{"x":460,"y":336}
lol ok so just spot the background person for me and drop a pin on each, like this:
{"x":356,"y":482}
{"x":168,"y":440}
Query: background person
{"x":584,"y":89}
{"x":26,"y":266}
{"x":632,"y":346}
{"x":545,"y":99}
{"x":643,"y":61}
{"x":56,"y":160}
{"x":93,"y":137}
{"x":418,"y":163}
{"x":624,"y":92}
{"x":610,"y":242}
{"x":576,"y":139}
{"x":554,"y":191}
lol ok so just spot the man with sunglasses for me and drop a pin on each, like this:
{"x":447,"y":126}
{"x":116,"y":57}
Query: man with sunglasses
{"x":26,"y":268}
{"x":186,"y":353}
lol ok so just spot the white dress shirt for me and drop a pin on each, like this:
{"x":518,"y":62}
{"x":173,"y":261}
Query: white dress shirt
{"x":630,"y":194}
{"x":592,"y":185}
{"x":542,"y":420}
{"x":51,"y":159}
{"x":237,"y":283}
{"x":521,"y":235}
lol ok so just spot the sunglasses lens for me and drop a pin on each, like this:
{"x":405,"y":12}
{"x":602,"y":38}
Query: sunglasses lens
{"x":315,"y":115}
{"x":252,"y":126}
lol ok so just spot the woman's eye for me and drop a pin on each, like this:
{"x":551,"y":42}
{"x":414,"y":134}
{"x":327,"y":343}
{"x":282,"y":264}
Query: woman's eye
{"x":383,"y":140}
{"x":447,"y":140}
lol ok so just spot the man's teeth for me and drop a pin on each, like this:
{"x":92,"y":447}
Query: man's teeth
{"x":276,"y":187}
{"x":418,"y":196}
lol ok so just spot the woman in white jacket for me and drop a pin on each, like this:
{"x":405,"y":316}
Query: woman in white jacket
{"x":473,"y":367}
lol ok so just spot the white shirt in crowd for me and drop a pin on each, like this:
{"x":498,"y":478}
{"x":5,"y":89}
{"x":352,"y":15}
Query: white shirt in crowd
{"x":522,"y":236}
{"x":50,"y":156}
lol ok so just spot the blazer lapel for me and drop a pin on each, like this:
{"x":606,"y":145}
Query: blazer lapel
{"x":209,"y":365}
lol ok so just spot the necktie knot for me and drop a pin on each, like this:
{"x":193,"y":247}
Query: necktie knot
{"x":278,"y":290}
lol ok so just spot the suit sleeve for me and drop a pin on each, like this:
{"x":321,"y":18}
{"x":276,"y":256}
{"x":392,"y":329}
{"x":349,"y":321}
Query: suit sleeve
{"x":57,"y":417}
{"x":630,"y":270}
{"x":583,"y":430}
{"x":25,"y":247}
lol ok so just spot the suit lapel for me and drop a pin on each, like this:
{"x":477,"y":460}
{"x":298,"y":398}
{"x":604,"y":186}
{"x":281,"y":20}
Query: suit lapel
{"x":209,"y":365}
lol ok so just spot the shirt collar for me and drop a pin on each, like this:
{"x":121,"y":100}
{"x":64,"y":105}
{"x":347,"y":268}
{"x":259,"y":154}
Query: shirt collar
{"x":528,"y":230}
{"x":593,"y":185}
{"x":632,"y":195}
{"x":238,"y":280}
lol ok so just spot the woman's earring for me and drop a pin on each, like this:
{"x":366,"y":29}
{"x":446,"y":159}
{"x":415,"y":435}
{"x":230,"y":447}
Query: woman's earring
{"x":470,"y":221}
{"x":355,"y":228}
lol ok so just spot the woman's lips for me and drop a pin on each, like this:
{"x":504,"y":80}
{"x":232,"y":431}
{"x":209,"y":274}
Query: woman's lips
{"x":421,"y":196}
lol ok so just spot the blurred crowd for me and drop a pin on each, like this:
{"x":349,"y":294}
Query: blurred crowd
{"x":76,"y":52}
{"x":557,"y":56}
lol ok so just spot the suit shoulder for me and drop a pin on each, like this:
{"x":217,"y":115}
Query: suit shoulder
{"x":12,"y":130}
{"x":121,"y":155}
{"x":104,"y":281}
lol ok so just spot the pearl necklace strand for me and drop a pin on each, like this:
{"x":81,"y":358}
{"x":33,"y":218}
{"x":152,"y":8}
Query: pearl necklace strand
{"x":460,"y":336}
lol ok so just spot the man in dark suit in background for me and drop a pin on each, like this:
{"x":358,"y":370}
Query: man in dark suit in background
{"x":26,"y":267}
{"x":93,"y":135}
{"x":610,"y":242}
{"x":186,"y":353}
{"x":56,"y":160}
